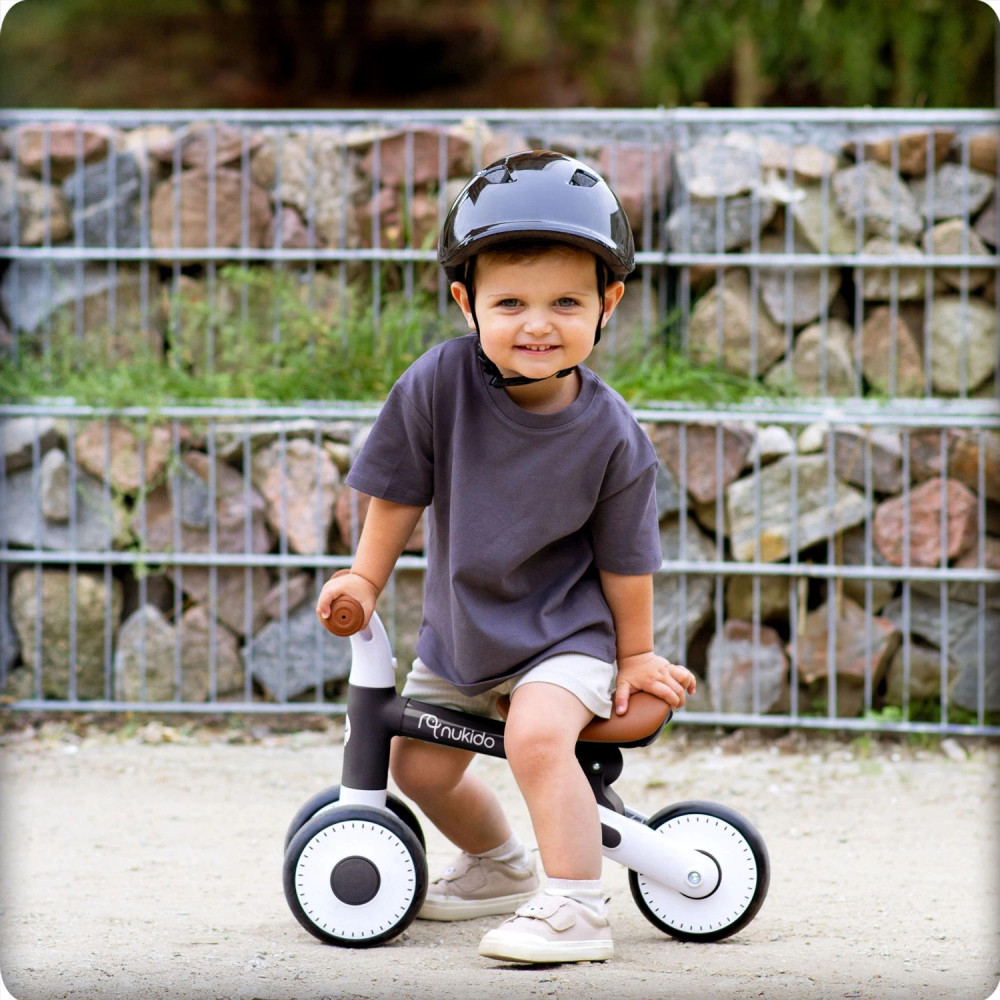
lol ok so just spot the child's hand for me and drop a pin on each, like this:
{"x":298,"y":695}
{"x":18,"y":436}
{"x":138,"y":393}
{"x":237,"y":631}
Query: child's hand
{"x":649,"y":672}
{"x":363,"y":591}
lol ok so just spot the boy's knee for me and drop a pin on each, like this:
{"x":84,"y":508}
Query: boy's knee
{"x":419,"y":771}
{"x":533,"y":746}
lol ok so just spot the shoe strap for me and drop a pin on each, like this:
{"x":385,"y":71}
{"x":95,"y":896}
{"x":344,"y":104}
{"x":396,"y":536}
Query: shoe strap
{"x":554,"y":910}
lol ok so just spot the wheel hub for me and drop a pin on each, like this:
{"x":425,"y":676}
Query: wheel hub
{"x":355,"y":880}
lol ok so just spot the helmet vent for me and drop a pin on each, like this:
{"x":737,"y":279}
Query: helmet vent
{"x":497,"y":175}
{"x":581,"y":178}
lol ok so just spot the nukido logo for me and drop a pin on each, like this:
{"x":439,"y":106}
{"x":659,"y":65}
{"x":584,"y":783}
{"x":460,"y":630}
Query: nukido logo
{"x":445,"y":731}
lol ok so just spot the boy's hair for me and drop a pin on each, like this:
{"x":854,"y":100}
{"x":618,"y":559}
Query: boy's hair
{"x":518,"y":251}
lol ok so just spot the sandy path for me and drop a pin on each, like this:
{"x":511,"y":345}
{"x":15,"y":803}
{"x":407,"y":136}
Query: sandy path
{"x":132,"y":869}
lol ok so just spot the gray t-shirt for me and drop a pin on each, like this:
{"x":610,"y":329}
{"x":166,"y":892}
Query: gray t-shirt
{"x":525,"y":508}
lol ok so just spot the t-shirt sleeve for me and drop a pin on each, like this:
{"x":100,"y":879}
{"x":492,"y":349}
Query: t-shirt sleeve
{"x":624,"y":529}
{"x":396,"y":462}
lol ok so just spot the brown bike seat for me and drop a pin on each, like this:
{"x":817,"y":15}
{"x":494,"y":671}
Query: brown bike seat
{"x":644,"y":716}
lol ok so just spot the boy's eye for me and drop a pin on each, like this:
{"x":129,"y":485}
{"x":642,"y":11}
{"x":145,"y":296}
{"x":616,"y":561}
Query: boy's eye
{"x":509,"y":303}
{"x":565,"y":302}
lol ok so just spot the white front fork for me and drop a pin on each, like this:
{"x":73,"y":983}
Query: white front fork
{"x":658,"y":857}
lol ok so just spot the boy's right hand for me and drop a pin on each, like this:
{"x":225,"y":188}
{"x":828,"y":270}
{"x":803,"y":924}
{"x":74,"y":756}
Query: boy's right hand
{"x":362,"y":590}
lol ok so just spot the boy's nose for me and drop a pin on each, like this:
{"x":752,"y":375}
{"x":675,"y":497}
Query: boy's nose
{"x":537,"y":324}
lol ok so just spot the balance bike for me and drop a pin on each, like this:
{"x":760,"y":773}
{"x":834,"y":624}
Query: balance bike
{"x":355,"y":869}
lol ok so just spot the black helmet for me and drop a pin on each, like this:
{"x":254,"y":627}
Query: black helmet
{"x":537,"y":194}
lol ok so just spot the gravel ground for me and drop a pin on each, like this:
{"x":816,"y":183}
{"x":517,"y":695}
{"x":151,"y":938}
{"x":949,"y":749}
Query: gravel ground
{"x":145,"y":862}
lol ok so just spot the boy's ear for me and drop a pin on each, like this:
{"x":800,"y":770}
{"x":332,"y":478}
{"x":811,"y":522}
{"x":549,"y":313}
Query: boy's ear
{"x":461,"y":295}
{"x":612,"y":296}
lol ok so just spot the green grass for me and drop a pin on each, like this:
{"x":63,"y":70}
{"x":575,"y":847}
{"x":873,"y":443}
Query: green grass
{"x":335,"y":351}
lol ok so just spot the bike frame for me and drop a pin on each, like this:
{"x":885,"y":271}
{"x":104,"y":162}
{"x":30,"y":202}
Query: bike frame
{"x":376,"y":713}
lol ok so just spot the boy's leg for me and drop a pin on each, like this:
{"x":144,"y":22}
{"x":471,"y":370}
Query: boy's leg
{"x":494,"y":874}
{"x":568,"y":921}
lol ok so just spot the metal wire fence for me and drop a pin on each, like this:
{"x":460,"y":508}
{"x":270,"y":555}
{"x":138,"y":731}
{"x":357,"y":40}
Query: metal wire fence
{"x":828,"y":562}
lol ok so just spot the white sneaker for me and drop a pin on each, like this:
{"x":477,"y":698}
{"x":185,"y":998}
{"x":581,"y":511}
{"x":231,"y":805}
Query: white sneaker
{"x":551,"y":929}
{"x":479,"y":887}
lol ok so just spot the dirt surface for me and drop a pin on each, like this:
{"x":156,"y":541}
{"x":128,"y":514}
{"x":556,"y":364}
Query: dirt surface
{"x":146,"y":863}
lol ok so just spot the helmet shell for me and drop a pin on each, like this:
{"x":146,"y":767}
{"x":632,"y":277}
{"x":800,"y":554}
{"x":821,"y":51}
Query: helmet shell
{"x":537,"y":194}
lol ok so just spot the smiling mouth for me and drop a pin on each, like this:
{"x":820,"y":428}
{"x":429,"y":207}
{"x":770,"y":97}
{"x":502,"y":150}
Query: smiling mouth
{"x":541,"y":349}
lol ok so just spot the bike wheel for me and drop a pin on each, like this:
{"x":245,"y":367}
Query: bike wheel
{"x":355,"y":876}
{"x":735,"y":846}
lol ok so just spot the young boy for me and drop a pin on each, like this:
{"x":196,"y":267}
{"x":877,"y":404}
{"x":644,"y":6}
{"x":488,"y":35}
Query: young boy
{"x":542,"y":538}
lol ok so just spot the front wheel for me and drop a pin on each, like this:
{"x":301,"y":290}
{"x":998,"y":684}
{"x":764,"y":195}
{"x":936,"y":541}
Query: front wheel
{"x":736,"y":847}
{"x":355,"y":876}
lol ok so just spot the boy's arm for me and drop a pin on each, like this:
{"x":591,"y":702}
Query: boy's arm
{"x":630,"y":599}
{"x":388,"y":527}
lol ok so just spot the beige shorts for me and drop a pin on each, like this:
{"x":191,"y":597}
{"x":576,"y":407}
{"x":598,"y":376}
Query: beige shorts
{"x":590,"y":679}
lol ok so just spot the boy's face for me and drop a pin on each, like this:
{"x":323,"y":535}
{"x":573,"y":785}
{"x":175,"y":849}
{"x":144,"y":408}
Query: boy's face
{"x":537,"y":316}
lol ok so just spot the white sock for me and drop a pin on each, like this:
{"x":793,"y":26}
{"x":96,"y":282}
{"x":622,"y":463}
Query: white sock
{"x":588,"y":892}
{"x":511,"y":852}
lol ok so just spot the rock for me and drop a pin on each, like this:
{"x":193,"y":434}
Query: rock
{"x":732,"y":676}
{"x":850,"y":550}
{"x":963,"y":636}
{"x":681,"y":608}
{"x":961,"y":453}
{"x":288,"y":659}
{"x":887,"y":202}
{"x":36,"y":290}
{"x":426,"y":152}
{"x":61,"y":141}
{"x":820,"y":225}
{"x":912,"y":154}
{"x":808,"y":163}
{"x":986,"y":225}
{"x":956,"y":192}
{"x":668,"y":497}
{"x":806,"y":296}
{"x":925,"y":516}
{"x":632,"y":169}
{"x":962,"y":332}
{"x":773,"y":598}
{"x":152,"y":144}
{"x":194,"y":211}
{"x":734,"y":349}
{"x":691,"y":227}
{"x":229,"y":434}
{"x":850,"y":641}
{"x":804,"y":375}
{"x":340,"y":455}
{"x":399,"y":222}
{"x":955,"y":237}
{"x":924,"y":678}
{"x":816,"y":516}
{"x":770,"y":443}
{"x":10,"y":647}
{"x":983,"y":151}
{"x":812,"y":438}
{"x":298,"y":587}
{"x":17,"y":435}
{"x":55,"y":485}
{"x":294,"y":234}
{"x":850,"y":444}
{"x":351,"y":519}
{"x":701,"y":443}
{"x":314,"y":179}
{"x":34,"y":199}
{"x":876,"y":282}
{"x":299,"y":484}
{"x":969,"y":592}
{"x":111,"y":448}
{"x":231,"y":515}
{"x":199,"y":140}
{"x":100,"y":524}
{"x":91,"y":600}
{"x":95,"y":202}
{"x":713,"y":167}
{"x":496,"y":145}
{"x":881,"y":338}
{"x":145,"y":658}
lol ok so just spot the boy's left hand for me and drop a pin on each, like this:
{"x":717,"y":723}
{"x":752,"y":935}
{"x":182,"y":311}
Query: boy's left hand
{"x":649,"y":672}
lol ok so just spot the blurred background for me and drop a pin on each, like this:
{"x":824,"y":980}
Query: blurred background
{"x":506,"y":53}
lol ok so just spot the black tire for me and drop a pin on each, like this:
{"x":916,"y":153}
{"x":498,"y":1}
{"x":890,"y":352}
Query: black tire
{"x":744,"y":866}
{"x":331,"y":796}
{"x":355,"y":876}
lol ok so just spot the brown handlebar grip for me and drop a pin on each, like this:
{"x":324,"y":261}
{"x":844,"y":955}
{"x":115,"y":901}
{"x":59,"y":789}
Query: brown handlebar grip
{"x":346,"y":616}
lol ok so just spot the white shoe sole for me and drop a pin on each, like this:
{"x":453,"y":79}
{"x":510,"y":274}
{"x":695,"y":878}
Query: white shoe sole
{"x":469,"y":909}
{"x":531,"y":948}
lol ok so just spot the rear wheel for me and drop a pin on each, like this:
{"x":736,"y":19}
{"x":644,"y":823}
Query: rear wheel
{"x":738,"y":850}
{"x":355,"y":876}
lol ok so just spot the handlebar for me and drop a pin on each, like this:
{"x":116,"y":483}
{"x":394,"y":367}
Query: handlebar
{"x":346,"y":616}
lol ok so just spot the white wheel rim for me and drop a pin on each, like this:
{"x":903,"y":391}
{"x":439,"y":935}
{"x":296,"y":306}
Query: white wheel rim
{"x":355,"y":838}
{"x":736,"y":890}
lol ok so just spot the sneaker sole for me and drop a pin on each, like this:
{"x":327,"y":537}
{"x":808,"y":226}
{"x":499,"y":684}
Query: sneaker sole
{"x":529,"y":948}
{"x":469,"y":909}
